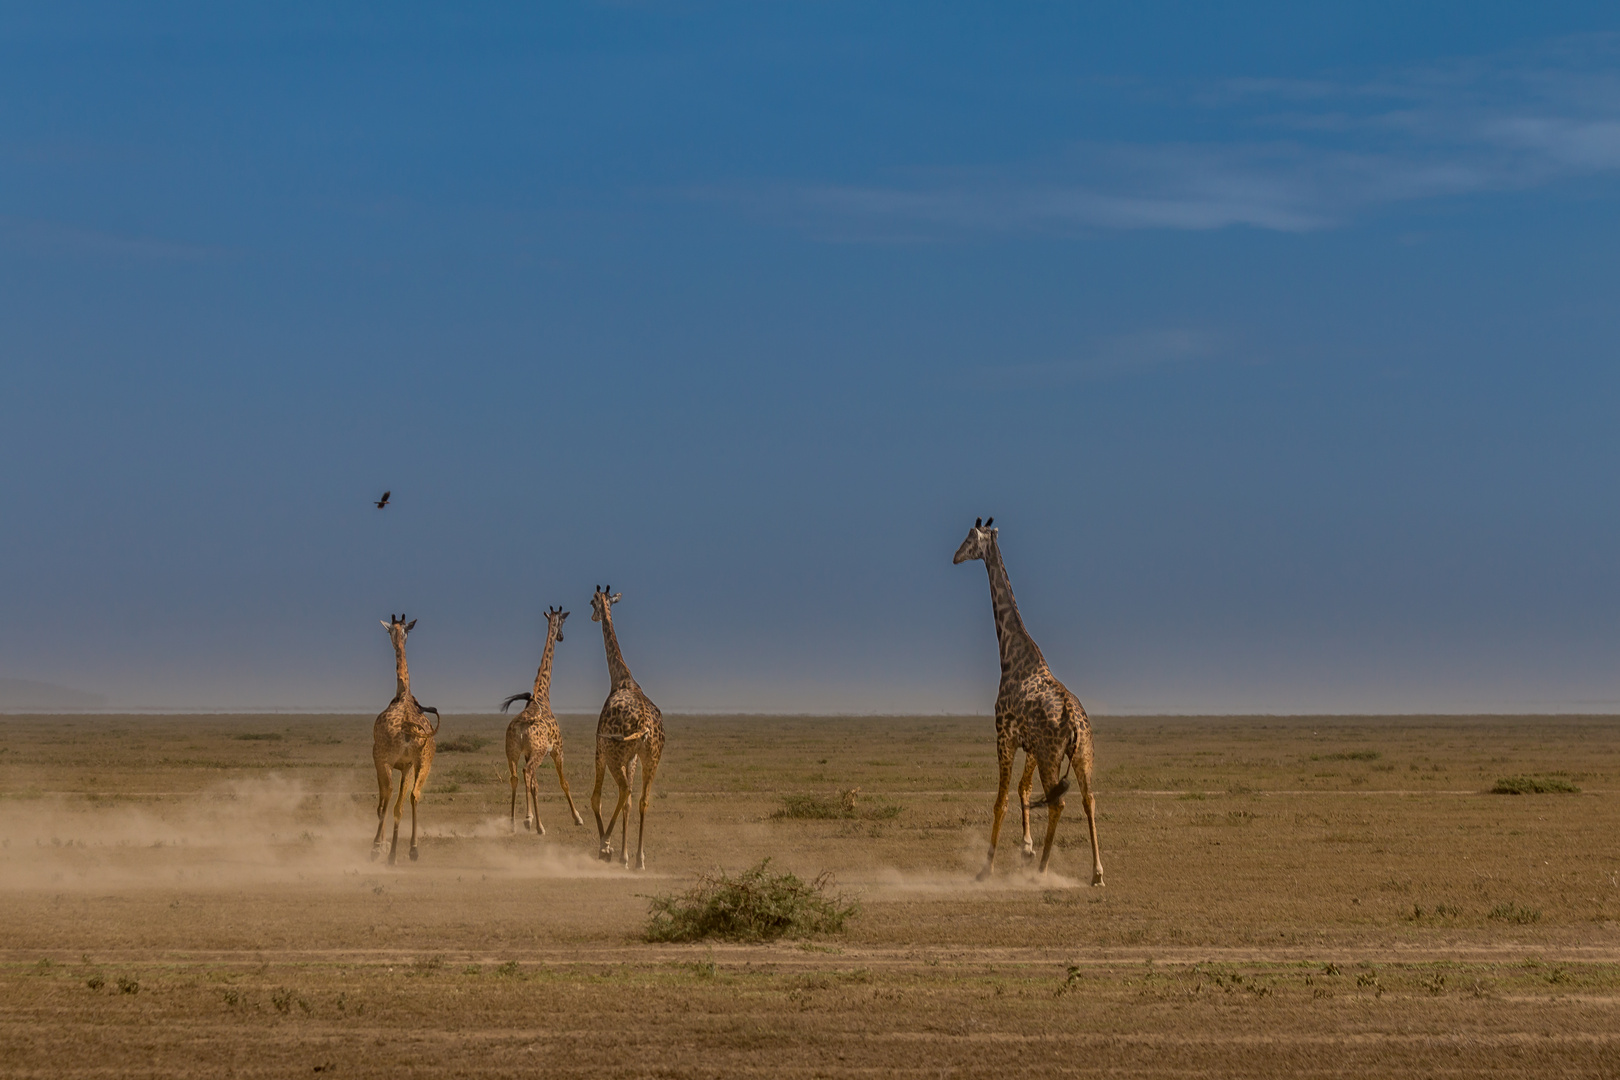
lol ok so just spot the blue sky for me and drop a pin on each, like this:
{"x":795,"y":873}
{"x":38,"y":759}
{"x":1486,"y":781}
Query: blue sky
{"x":1280,"y":340}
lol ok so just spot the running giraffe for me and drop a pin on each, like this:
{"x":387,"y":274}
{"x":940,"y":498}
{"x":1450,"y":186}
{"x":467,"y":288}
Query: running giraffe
{"x":1034,"y":713}
{"x":533,"y":734}
{"x":401,"y":740}
{"x":630,"y":729}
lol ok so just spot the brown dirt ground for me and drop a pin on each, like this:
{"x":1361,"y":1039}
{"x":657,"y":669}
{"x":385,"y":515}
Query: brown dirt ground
{"x":1299,"y":896}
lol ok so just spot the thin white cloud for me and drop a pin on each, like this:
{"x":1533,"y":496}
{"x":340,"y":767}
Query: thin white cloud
{"x":1312,"y":155}
{"x":1119,"y":355}
{"x":48,"y":236}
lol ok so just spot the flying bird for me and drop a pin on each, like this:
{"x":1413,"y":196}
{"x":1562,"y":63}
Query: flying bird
{"x":382,"y":502}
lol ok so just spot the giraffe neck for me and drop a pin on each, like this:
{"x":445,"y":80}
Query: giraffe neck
{"x":1019,"y":653}
{"x":618,"y":670}
{"x":402,"y":673}
{"x":542,"y":678}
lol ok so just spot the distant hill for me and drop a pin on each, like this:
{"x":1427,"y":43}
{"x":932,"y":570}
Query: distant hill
{"x":26,"y":695}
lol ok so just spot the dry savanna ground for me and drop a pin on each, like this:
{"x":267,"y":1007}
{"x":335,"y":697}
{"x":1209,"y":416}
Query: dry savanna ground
{"x":1305,"y":896}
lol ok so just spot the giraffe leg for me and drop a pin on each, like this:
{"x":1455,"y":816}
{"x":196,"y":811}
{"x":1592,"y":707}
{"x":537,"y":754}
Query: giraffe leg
{"x":556,"y":759}
{"x":621,"y":805}
{"x":605,"y":850}
{"x":1023,"y":803}
{"x":399,"y":810}
{"x":424,"y":766}
{"x":385,"y":788}
{"x":531,"y":794}
{"x":512,"y":775}
{"x":1083,"y":771}
{"x":1054,"y":809}
{"x":650,"y":768}
{"x":1006,"y":753}
{"x":629,"y":782}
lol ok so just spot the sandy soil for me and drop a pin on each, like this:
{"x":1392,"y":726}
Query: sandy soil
{"x":192,"y":896}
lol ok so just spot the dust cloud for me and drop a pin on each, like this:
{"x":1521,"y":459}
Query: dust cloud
{"x":251,"y":832}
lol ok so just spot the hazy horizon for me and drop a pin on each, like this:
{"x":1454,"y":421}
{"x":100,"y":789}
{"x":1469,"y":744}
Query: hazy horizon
{"x":1281,"y":344}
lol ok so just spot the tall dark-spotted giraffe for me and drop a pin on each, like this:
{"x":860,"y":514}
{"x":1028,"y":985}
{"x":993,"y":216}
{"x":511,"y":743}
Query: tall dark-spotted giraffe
{"x":1035,"y":713}
{"x":630,"y":729}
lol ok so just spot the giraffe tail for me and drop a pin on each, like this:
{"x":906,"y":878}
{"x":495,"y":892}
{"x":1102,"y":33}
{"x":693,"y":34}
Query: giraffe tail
{"x":628,"y":738}
{"x":525,"y":696}
{"x":1060,"y":789}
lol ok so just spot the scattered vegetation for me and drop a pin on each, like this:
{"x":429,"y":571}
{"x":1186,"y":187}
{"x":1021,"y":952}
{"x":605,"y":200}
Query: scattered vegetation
{"x":1533,"y":785}
{"x":846,"y":805}
{"x":1348,"y":755}
{"x":1513,"y":913}
{"x":756,"y":905}
{"x":258,"y":736}
{"x":128,"y":985}
{"x":463,"y":744}
{"x":284,"y":999}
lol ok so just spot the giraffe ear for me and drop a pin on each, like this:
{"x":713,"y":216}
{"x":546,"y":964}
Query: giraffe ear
{"x":616,"y":598}
{"x":409,"y":625}
{"x":386,"y":625}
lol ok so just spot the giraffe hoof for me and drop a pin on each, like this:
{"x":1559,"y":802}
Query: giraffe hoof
{"x":578,"y":820}
{"x":641,"y":864}
{"x":539,"y":828}
{"x":374,"y":853}
{"x":982,"y":874}
{"x":1096,"y":881}
{"x":413,"y":855}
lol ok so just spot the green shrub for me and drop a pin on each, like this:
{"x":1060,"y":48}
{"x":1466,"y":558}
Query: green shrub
{"x":1533,"y":785}
{"x":756,"y":905}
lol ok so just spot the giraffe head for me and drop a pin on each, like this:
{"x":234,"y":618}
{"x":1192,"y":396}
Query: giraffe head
{"x":978,"y":541}
{"x":397,"y":629}
{"x":602,"y":600}
{"x":554,"y":619}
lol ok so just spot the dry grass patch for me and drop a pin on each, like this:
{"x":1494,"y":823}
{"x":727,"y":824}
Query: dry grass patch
{"x":1534,"y":785}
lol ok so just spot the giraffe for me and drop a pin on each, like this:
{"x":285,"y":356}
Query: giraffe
{"x":1034,"y":713}
{"x":401,"y":740}
{"x":533,"y":734}
{"x":630,"y":729}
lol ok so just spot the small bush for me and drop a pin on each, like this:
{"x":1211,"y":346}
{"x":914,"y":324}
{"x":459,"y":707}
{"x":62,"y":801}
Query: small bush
{"x":463,"y":744}
{"x":845,"y":806}
{"x":1533,"y":785}
{"x":128,"y":986}
{"x":284,"y":999}
{"x":95,"y":982}
{"x":756,"y":905}
{"x":258,"y":736}
{"x":1513,"y":913}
